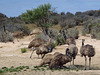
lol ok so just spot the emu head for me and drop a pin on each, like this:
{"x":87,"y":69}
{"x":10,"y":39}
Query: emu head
{"x":83,"y":42}
{"x":68,"y":52}
{"x":51,"y":47}
{"x":48,"y":43}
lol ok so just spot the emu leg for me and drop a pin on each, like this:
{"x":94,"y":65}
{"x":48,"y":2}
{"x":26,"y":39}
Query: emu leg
{"x":89,"y":63}
{"x":61,"y":66}
{"x":43,"y":56}
{"x":13,"y":42}
{"x":73,"y":61}
{"x":17,"y":40}
{"x":85,"y":62}
{"x":32,"y":53}
{"x":38,"y":56}
{"x":70,"y":63}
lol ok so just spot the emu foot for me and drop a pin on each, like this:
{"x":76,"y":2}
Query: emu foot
{"x":30,"y":56}
{"x":73,"y":66}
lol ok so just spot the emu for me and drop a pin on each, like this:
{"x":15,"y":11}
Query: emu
{"x":39,"y":45}
{"x":47,"y":59}
{"x":61,"y":59}
{"x":73,"y":50}
{"x":44,"y":49}
{"x":87,"y":50}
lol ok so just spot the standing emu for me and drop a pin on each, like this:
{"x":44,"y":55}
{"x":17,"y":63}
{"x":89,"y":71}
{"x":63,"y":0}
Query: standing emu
{"x":40,"y":46}
{"x":87,"y":50}
{"x":35,"y":43}
{"x":44,"y":49}
{"x":73,"y":50}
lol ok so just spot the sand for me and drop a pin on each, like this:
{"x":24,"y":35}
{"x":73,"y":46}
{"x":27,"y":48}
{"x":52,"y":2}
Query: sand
{"x":10,"y":55}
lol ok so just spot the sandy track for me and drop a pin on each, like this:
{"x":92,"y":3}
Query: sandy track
{"x":10,"y":55}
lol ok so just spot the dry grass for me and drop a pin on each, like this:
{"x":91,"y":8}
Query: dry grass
{"x":56,"y":27}
{"x":31,"y":26}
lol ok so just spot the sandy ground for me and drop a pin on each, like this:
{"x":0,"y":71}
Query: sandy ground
{"x":10,"y":55}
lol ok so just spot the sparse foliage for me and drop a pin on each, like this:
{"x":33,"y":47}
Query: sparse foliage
{"x":73,"y":32}
{"x":6,"y":36}
{"x":40,"y":16}
{"x":23,"y":50}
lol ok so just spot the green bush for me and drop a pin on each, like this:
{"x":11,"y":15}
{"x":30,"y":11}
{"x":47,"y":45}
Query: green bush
{"x":23,"y":50}
{"x":60,"y":40}
{"x":95,"y":31}
{"x":53,"y":33}
{"x":84,"y":33}
{"x":98,"y":36}
{"x":72,"y":32}
{"x":92,"y":27}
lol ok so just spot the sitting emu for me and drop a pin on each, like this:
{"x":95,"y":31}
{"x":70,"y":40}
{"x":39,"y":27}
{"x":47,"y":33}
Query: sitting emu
{"x":61,"y":59}
{"x":47,"y":59}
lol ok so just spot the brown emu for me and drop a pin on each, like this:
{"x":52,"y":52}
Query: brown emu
{"x":36,"y":42}
{"x":71,"y":40}
{"x":61,"y":59}
{"x":47,"y":59}
{"x":73,"y":50}
{"x":43,"y":49}
{"x":40,"y":46}
{"x":87,"y":50}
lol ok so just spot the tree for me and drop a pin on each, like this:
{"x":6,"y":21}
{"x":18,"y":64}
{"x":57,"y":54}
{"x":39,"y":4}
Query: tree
{"x":39,"y":16}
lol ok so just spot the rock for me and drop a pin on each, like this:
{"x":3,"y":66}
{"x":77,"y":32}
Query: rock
{"x":36,"y":31}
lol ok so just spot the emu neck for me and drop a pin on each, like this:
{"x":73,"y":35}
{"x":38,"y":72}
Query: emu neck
{"x":50,"y":49}
{"x":82,"y":43}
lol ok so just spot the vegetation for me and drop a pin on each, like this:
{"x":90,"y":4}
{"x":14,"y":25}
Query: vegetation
{"x":6,"y":36}
{"x":73,"y":32}
{"x":92,"y":27}
{"x":60,"y":40}
{"x":43,"y":16}
{"x":23,"y":50}
{"x":39,"y":16}
{"x":13,"y":69}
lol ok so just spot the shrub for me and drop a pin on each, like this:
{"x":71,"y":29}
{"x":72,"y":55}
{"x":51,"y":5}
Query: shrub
{"x":43,"y":36}
{"x":13,"y":27}
{"x":83,"y":33}
{"x":68,"y":22}
{"x":73,"y":32}
{"x":23,"y":50}
{"x":98,"y":36}
{"x":95,"y":31}
{"x":53,"y":33}
{"x":60,"y":40}
{"x":6,"y":37}
{"x":92,"y":27}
